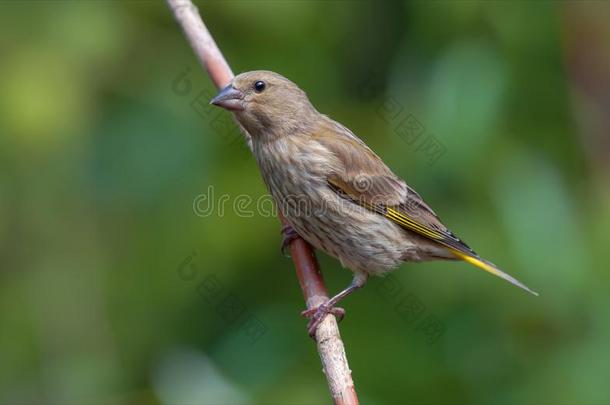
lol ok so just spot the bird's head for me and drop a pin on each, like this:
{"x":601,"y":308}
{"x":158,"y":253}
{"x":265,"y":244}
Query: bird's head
{"x":265,"y":103}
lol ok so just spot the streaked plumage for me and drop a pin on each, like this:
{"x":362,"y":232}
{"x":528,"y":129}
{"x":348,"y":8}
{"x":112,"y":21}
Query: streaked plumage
{"x":333,"y":190}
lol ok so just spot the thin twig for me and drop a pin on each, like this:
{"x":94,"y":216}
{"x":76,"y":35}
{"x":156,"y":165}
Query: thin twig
{"x":329,"y":343}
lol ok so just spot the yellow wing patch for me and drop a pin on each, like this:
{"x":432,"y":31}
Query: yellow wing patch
{"x":407,"y":222}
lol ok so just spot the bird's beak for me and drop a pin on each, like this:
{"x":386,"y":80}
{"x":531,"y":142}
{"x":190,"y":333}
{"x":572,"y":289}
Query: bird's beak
{"x":229,"y":98}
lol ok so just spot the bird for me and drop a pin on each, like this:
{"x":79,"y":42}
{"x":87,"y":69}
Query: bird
{"x":334,"y":191}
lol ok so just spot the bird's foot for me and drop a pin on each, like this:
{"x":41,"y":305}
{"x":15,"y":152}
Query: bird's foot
{"x":316,"y":316}
{"x":288,"y":235}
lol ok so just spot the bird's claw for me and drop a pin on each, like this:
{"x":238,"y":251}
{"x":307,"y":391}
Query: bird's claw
{"x":288,"y":234}
{"x":316,"y":316}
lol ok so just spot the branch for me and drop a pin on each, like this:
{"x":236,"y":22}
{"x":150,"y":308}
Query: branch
{"x":329,"y":343}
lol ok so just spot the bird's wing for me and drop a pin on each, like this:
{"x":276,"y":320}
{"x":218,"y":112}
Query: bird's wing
{"x":362,"y":177}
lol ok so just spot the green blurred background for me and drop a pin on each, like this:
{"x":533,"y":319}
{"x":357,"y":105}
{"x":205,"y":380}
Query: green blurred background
{"x":113,"y":290}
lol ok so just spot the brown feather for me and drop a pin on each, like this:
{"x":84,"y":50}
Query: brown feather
{"x":365,"y":179}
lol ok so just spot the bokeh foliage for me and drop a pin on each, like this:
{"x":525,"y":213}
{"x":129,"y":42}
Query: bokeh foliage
{"x":106,"y":271}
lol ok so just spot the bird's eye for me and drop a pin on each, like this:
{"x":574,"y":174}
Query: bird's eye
{"x":259,"y":86}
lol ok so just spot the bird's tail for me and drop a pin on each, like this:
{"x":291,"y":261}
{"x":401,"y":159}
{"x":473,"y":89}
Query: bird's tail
{"x":491,"y":268}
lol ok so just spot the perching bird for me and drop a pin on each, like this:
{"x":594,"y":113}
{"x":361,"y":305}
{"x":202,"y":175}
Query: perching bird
{"x":334,"y":191}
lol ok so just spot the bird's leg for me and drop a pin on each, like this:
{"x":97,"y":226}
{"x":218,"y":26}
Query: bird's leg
{"x":288,"y":235}
{"x":316,"y":315}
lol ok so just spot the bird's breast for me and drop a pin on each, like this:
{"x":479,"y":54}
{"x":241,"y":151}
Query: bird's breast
{"x":292,"y":169}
